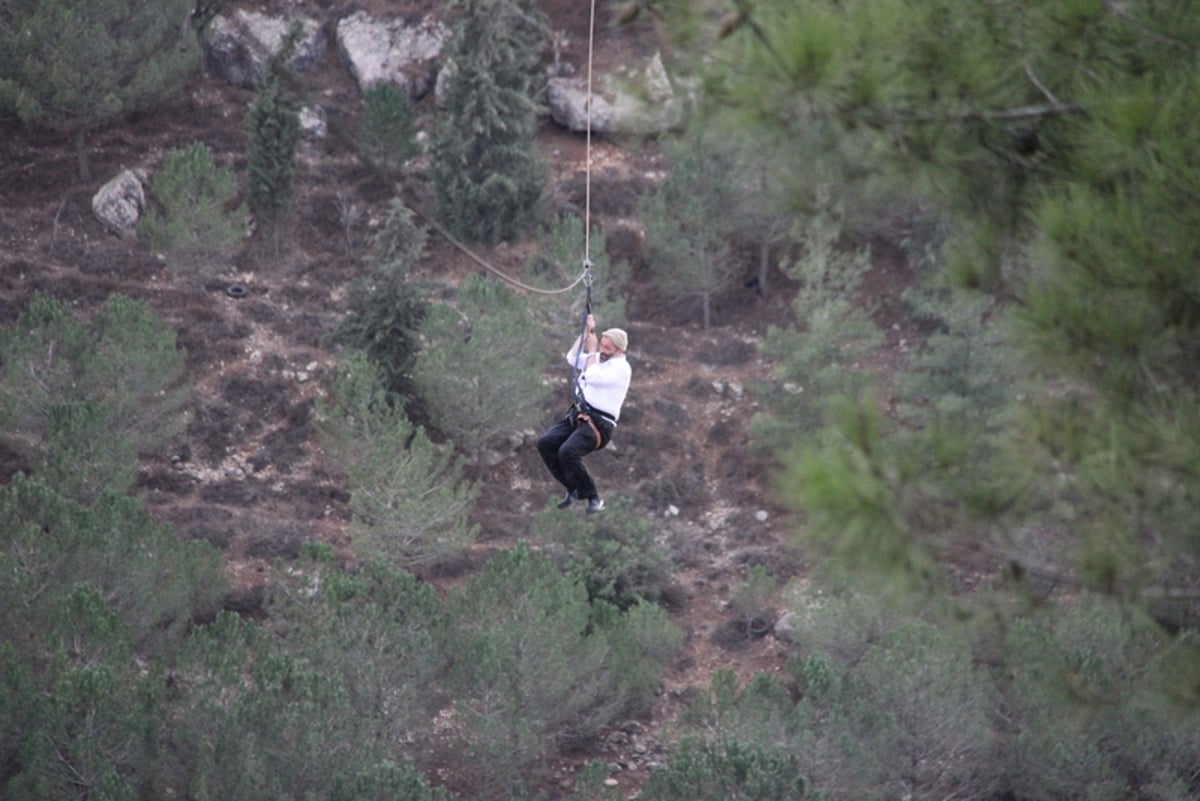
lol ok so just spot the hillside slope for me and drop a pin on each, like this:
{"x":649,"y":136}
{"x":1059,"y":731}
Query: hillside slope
{"x":249,"y":475}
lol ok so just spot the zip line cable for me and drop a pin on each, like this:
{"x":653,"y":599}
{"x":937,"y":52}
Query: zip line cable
{"x":587,"y":172}
{"x":585,"y":277}
{"x":576,"y":369}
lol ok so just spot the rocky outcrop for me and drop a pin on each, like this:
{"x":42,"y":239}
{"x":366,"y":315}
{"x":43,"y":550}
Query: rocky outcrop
{"x":120,"y":202}
{"x":629,"y":101}
{"x":239,"y":47}
{"x":377,"y":50}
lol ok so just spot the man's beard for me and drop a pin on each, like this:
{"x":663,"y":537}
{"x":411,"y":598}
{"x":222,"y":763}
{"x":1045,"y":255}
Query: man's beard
{"x":603,"y":357}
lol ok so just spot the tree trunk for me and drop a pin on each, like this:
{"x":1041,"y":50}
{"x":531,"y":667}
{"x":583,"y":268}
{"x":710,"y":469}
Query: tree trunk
{"x":81,"y":156}
{"x":764,"y":266}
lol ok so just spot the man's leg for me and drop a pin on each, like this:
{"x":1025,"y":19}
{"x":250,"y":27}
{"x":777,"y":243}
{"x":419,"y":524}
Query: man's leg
{"x":570,"y":461}
{"x":548,"y":446}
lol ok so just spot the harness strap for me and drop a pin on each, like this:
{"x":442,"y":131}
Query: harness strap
{"x":587,"y":418}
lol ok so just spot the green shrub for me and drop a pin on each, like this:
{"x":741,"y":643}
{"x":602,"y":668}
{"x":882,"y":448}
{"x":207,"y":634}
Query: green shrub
{"x":916,"y":716}
{"x":409,"y":496}
{"x":473,"y":373}
{"x":389,"y":781}
{"x":50,"y":544}
{"x":97,"y":603}
{"x":838,"y":622}
{"x":726,"y":771}
{"x":254,"y":721}
{"x":96,"y":713}
{"x":590,"y":785}
{"x":1088,"y":716}
{"x":533,"y":671}
{"x":378,"y":631}
{"x":618,"y":559}
{"x":751,"y":598}
{"x":643,"y":641}
{"x":386,"y":306}
{"x":273,"y":124}
{"x":81,"y":400}
{"x":760,"y":713}
{"x":193,"y":210}
{"x":388,"y":127}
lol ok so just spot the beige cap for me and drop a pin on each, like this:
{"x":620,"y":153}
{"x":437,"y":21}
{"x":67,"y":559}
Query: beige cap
{"x":618,"y":337}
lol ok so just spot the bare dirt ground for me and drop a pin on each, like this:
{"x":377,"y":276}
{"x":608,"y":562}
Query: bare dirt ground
{"x":249,"y":475}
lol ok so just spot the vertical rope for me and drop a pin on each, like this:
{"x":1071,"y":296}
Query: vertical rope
{"x":587,"y":186}
{"x":576,"y":390}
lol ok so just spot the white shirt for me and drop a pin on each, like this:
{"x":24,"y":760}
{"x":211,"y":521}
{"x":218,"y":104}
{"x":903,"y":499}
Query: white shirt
{"x":604,"y":383}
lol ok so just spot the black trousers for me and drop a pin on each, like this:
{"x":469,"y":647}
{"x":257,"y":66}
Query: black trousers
{"x":564,"y":445}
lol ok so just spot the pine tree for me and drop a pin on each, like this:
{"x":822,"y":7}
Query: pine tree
{"x":81,"y":400}
{"x":487,"y":173}
{"x":1056,"y":142}
{"x":274,"y":126}
{"x":386,"y":306}
{"x":76,"y":66}
{"x":409,"y":497}
{"x":689,"y":225}
{"x":192,"y":198}
{"x":474,"y":373}
{"x":386,"y":136}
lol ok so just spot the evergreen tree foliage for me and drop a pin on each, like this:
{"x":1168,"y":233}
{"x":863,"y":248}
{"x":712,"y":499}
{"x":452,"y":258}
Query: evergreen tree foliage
{"x":95,"y":723}
{"x":380,"y":631}
{"x":97,"y":601}
{"x":487,"y":173}
{"x":386,"y":305}
{"x":474,"y":373}
{"x":533,"y":672}
{"x":387,"y":132}
{"x":255,"y":721}
{"x":618,"y":559}
{"x":820,"y":359}
{"x":688,"y":224}
{"x":1055,"y":140}
{"x":52,"y":545}
{"x":728,"y":771}
{"x":192,"y":210}
{"x":75,"y":66}
{"x":82,"y":400}
{"x":409,"y":497}
{"x":918,"y":717}
{"x":273,"y":124}
{"x":1086,"y":710}
{"x":1054,"y":703}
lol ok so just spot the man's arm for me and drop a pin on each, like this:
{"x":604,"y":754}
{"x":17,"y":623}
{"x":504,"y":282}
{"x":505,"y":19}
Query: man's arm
{"x":591,"y":344}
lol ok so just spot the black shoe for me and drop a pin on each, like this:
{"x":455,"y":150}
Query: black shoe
{"x":566,"y":501}
{"x":595,"y":505}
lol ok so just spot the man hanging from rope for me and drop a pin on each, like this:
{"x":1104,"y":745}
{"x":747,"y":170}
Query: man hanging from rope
{"x":601,"y":383}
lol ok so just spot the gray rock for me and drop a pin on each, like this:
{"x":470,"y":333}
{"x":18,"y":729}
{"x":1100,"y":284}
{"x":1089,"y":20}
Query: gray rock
{"x":786,"y":629}
{"x":629,"y":101}
{"x":314,"y":124}
{"x":238,"y":48}
{"x":120,"y":202}
{"x":377,"y":50}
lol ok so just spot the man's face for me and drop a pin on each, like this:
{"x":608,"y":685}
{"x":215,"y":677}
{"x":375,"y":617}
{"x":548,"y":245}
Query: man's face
{"x":607,"y":349}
